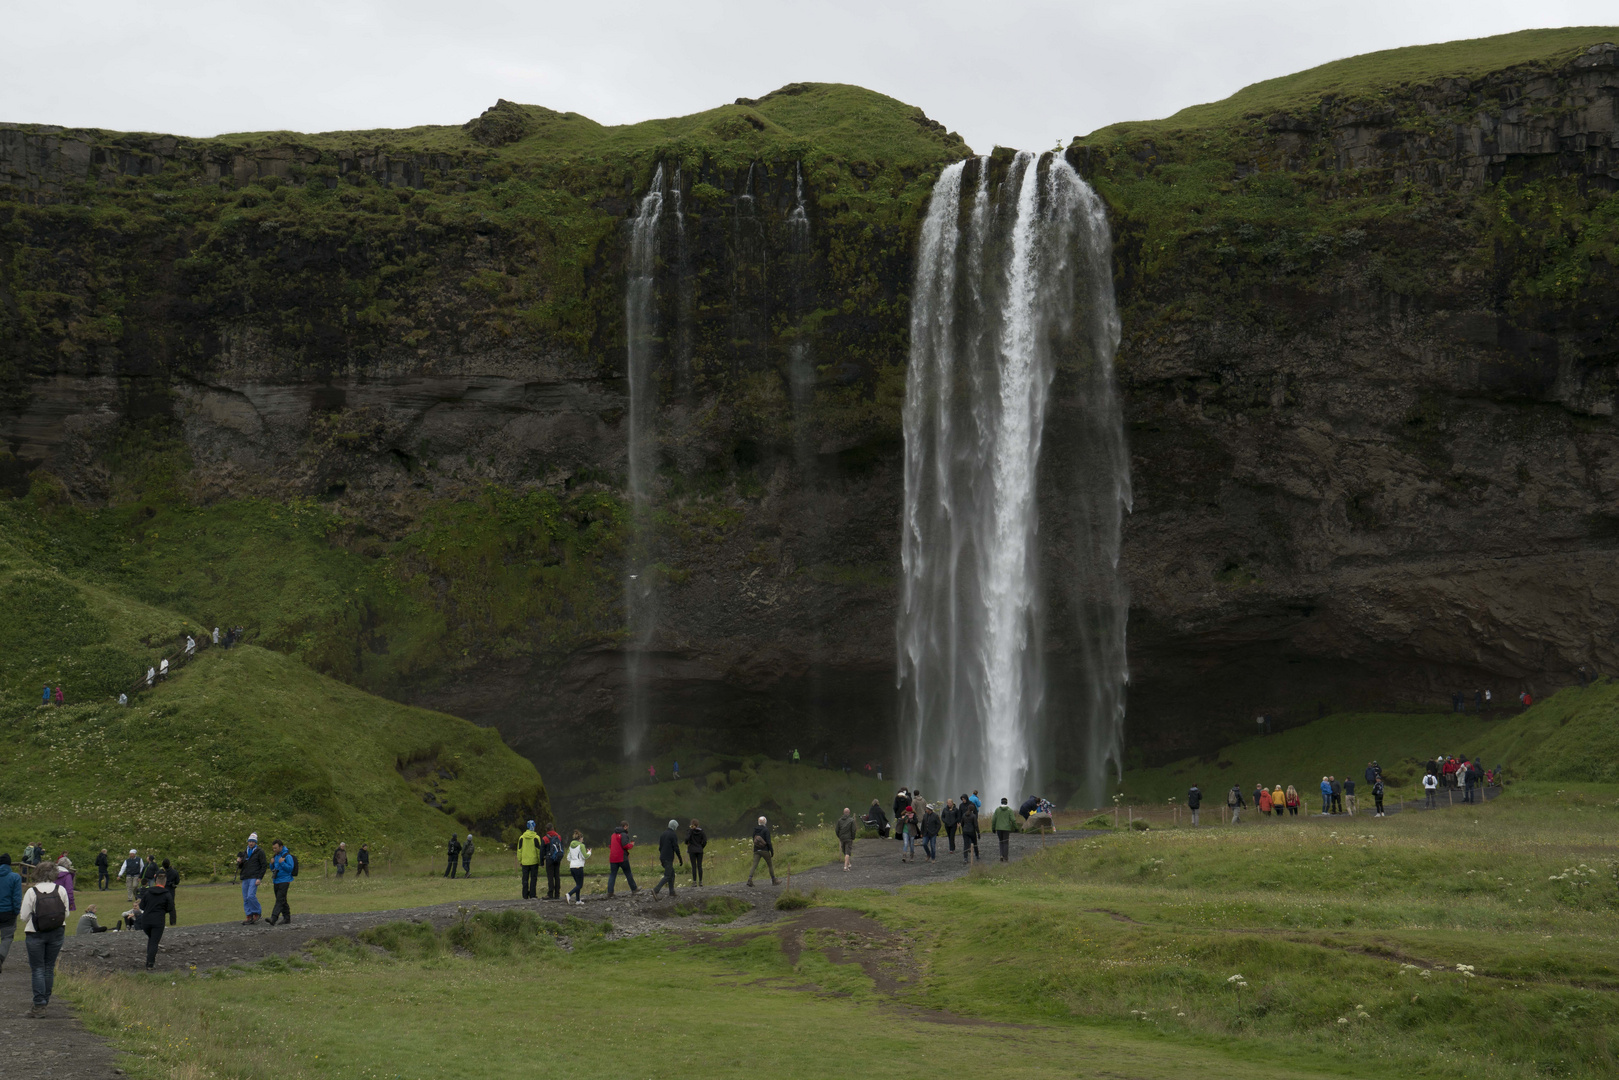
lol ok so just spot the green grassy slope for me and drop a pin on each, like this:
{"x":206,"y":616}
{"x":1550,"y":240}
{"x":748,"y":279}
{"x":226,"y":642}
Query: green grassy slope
{"x":1572,"y":735}
{"x":239,"y":740}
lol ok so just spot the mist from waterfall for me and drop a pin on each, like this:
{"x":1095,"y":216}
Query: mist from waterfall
{"x":800,"y":360}
{"x":1013,"y":284}
{"x":640,"y":331}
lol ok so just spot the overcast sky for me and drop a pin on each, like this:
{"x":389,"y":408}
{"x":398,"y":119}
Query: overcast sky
{"x":1016,"y":73}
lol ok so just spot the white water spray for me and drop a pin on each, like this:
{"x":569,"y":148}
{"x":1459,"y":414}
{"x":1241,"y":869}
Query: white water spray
{"x":1004,"y":297}
{"x":640,"y":329}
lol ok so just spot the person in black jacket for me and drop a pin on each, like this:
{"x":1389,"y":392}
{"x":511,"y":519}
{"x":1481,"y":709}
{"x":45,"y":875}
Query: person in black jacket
{"x":1194,"y":799}
{"x":950,"y":817}
{"x":930,"y":832}
{"x":763,"y":849}
{"x":250,"y":867}
{"x":969,"y":831}
{"x":362,"y":861}
{"x":877,"y":819}
{"x":174,"y":887}
{"x":668,"y":855}
{"x":696,"y":841}
{"x":1030,"y":805}
{"x":102,"y":871}
{"x":901,"y":802}
{"x":155,"y":901}
{"x":455,"y":856}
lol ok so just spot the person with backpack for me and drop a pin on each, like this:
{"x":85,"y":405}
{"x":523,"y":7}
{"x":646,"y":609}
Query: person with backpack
{"x":10,"y":904}
{"x":1002,"y":825}
{"x":846,"y":830}
{"x":696,"y":841}
{"x":43,"y":915}
{"x":577,"y":854}
{"x":1430,"y":788}
{"x":950,"y":818}
{"x":930,"y":832}
{"x":130,"y":871}
{"x":619,"y":846}
{"x":529,"y":847}
{"x":102,"y":876}
{"x":251,"y":866}
{"x":466,"y":856}
{"x":454,"y":849}
{"x":763,"y":849}
{"x":668,"y":855}
{"x":969,"y":832}
{"x":1233,"y":800}
{"x":362,"y":861}
{"x":1292,"y":800}
{"x":174,"y":887}
{"x":340,"y":858}
{"x":554,"y":854}
{"x":1194,"y":799}
{"x":154,"y":903}
{"x":1377,"y":795}
{"x":283,"y":868}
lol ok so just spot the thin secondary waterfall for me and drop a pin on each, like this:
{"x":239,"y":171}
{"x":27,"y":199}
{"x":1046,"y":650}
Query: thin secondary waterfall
{"x":640,"y":331}
{"x":800,"y":360}
{"x":1013,"y":283}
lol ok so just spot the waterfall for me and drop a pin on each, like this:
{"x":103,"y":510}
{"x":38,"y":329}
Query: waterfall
{"x":800,"y":361}
{"x":640,"y":331}
{"x":1006,"y":295}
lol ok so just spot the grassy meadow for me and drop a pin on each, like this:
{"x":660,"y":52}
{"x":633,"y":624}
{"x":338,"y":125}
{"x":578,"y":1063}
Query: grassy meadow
{"x":1476,"y":941}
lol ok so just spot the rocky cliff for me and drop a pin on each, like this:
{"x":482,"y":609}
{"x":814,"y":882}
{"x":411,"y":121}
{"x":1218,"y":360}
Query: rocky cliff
{"x":1369,"y":368}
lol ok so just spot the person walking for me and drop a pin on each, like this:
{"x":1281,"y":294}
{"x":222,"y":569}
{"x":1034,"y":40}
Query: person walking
{"x":362,"y":861}
{"x":1292,"y":800}
{"x":619,"y":847}
{"x":1262,"y":800}
{"x":950,"y":818}
{"x":847,"y":830}
{"x":153,"y":906}
{"x":1430,"y":788}
{"x":1467,"y":781}
{"x":43,"y":915}
{"x":668,"y":855}
{"x":174,"y":889}
{"x":1194,"y":799}
{"x":555,"y":852}
{"x":930,"y":833}
{"x":1278,"y":801}
{"x":283,"y":868}
{"x":454,"y":851}
{"x":969,"y":832}
{"x":905,"y":823}
{"x":65,"y":877}
{"x":1349,"y":796}
{"x":1377,"y":795}
{"x":130,"y":871}
{"x":577,"y":854}
{"x":149,"y":869}
{"x":529,"y":853}
{"x":795,"y":756}
{"x":10,"y":905}
{"x":251,"y":865}
{"x":1326,"y":795}
{"x":901,"y":800}
{"x":696,"y":841}
{"x":763,"y":849}
{"x":1233,"y":799}
{"x":1002,"y":825}
{"x":102,"y":876}
{"x":340,"y":858}
{"x":466,"y":856}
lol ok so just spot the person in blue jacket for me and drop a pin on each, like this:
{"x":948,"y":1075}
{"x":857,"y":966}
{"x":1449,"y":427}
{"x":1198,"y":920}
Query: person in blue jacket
{"x":282,"y":868}
{"x":10,"y":904}
{"x":1326,"y":795}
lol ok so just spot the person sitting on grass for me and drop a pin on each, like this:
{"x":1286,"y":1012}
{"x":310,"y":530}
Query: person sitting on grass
{"x":88,"y":923}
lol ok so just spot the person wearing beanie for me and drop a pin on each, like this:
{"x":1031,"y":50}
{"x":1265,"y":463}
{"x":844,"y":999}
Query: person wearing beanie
{"x":10,"y":904}
{"x":466,"y":856}
{"x":528,"y":861}
{"x":454,"y":851}
{"x":1002,"y":825}
{"x":668,"y":855}
{"x":251,"y":865}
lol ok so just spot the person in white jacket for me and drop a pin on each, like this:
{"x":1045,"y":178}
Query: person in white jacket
{"x":44,"y":945}
{"x":577,"y":854}
{"x":1430,"y":785}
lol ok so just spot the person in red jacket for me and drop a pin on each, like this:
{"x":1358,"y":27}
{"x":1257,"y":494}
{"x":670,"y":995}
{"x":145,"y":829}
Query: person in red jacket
{"x":554,"y":853}
{"x":618,"y":858}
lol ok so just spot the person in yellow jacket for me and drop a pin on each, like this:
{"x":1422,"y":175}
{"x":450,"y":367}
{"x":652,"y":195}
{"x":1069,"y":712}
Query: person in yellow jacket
{"x":1278,"y":801}
{"x":529,"y":846}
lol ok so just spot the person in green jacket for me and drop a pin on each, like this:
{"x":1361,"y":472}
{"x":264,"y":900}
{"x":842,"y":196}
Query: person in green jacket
{"x":528,"y":860}
{"x":1003,"y":823}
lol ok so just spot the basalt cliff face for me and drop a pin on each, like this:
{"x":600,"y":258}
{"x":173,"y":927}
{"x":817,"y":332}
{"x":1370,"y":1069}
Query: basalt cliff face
{"x":1368,"y":369}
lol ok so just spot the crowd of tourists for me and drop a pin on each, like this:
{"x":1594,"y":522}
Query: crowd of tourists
{"x":917,"y":823}
{"x":1456,"y":772}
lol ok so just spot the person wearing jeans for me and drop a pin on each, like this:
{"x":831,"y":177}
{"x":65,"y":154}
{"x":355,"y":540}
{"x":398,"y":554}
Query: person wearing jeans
{"x":577,"y":854}
{"x":252,"y":865}
{"x":10,"y":904}
{"x":43,"y":945}
{"x":618,"y":858}
{"x":969,"y":832}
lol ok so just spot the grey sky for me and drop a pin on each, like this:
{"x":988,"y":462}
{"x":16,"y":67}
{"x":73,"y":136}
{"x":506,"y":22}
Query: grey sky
{"x":1017,"y":73}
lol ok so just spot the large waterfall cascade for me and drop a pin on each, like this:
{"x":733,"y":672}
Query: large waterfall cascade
{"x":641,"y":330}
{"x":1013,"y":284}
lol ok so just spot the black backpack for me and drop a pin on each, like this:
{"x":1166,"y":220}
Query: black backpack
{"x":50,"y":910}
